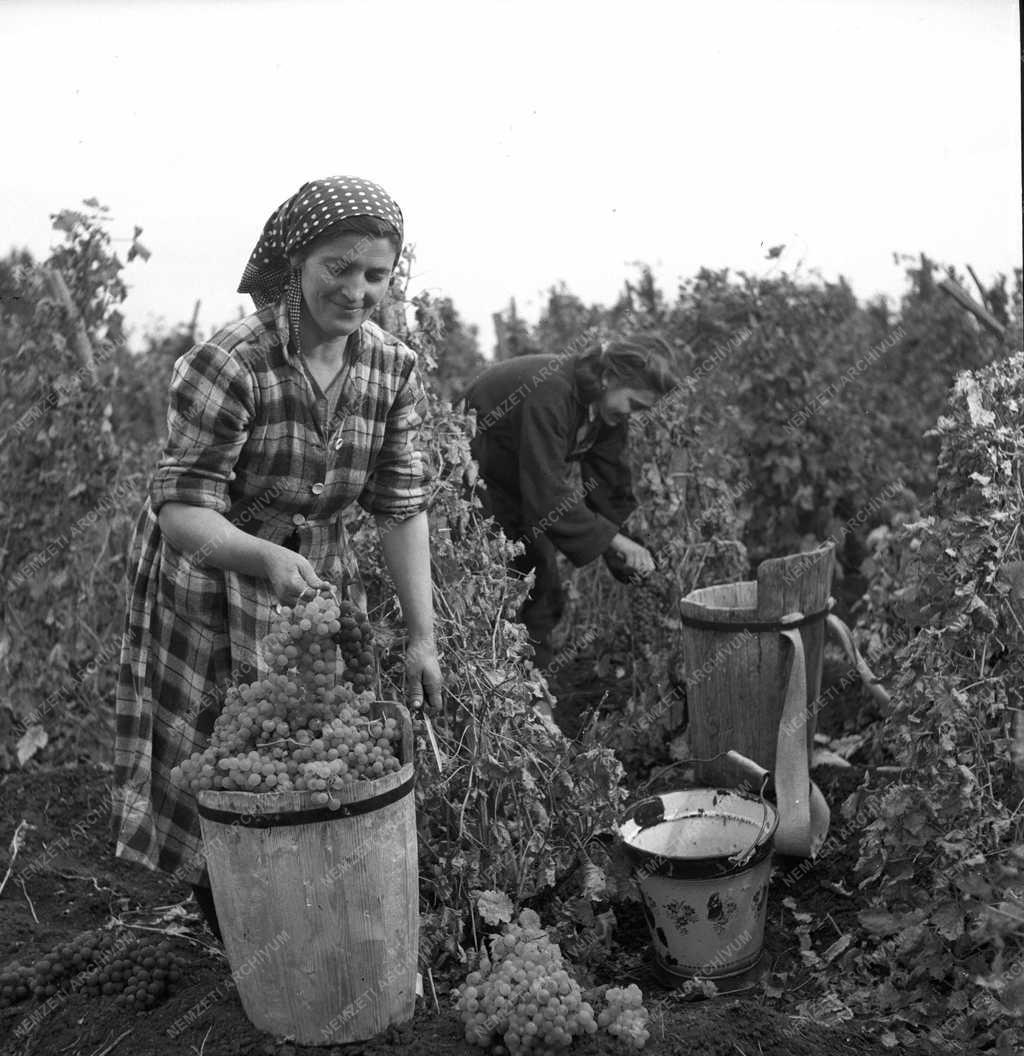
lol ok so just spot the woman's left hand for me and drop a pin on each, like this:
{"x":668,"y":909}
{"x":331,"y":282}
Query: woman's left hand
{"x":423,"y":674}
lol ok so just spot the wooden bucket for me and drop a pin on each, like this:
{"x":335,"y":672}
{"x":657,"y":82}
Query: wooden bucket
{"x":736,"y":674}
{"x":319,"y":908}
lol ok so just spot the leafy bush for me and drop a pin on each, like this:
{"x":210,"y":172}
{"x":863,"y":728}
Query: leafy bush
{"x":792,"y":425}
{"x":944,"y":857}
{"x":71,"y":493}
{"x":513,"y":804}
{"x":793,"y":417}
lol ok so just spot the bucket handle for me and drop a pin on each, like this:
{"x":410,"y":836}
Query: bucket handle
{"x":651,"y":811}
{"x":867,"y":677}
{"x":679,"y":762}
{"x":740,"y":858}
{"x":766,"y":778}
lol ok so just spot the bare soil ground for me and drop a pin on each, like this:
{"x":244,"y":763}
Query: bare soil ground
{"x":72,"y":883}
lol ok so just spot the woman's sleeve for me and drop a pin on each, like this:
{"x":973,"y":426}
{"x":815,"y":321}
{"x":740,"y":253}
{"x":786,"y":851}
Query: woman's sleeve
{"x":553,"y":494}
{"x":396,"y":487}
{"x":606,"y":465}
{"x":208,"y":420}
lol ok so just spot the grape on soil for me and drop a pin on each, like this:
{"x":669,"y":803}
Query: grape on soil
{"x":524,"y":999}
{"x":137,"y":973}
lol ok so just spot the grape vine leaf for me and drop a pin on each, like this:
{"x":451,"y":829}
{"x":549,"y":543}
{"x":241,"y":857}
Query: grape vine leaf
{"x":30,"y":742}
{"x":1012,"y":574}
{"x":495,"y":907}
{"x":595,"y":883}
{"x":878,"y":922}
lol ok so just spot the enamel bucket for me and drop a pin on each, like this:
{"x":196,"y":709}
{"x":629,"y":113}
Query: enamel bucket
{"x":702,"y":860}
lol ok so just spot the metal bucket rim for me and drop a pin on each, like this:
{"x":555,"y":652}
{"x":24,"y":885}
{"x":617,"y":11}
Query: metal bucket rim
{"x":702,"y":866}
{"x":275,"y":809}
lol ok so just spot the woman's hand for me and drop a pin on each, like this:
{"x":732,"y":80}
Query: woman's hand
{"x":422,"y":674}
{"x":634,"y":557}
{"x":290,"y":574}
{"x":407,"y":555}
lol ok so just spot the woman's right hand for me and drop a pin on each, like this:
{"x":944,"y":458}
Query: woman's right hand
{"x":290,"y":575}
{"x":634,"y":557}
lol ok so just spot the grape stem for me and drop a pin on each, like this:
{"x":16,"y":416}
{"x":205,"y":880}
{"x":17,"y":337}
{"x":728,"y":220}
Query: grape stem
{"x":109,"y":1048}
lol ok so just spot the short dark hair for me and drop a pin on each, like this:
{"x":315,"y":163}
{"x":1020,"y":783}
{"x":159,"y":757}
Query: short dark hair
{"x":641,"y":361}
{"x":371,"y":226}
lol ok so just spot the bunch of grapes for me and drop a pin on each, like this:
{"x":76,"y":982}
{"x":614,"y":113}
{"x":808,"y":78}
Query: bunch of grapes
{"x":624,"y":1015}
{"x":355,"y":639}
{"x":647,"y":600}
{"x":523,"y":995}
{"x":140,"y":977}
{"x":15,"y":985}
{"x":50,"y":974}
{"x":97,"y":963}
{"x":301,"y":728}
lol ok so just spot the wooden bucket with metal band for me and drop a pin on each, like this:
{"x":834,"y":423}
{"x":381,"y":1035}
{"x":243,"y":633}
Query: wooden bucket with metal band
{"x":753,"y":653}
{"x":319,"y":908}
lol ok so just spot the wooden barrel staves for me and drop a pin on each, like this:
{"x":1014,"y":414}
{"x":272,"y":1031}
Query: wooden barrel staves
{"x":737,"y":662}
{"x":319,"y":908}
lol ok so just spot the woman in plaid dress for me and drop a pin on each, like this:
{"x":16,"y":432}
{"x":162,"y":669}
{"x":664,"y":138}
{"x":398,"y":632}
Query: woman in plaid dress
{"x":275,"y":425}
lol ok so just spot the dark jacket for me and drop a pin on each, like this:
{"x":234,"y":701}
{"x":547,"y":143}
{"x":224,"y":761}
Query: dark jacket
{"x":529,"y":413}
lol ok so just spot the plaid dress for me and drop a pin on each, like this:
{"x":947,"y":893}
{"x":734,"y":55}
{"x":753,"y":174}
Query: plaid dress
{"x":249,"y":438}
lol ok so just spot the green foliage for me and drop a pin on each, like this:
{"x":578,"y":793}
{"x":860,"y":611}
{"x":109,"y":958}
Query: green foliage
{"x":792,"y":424}
{"x":566,"y":322}
{"x":513,"y":803}
{"x":456,"y":356}
{"x":797,"y":410}
{"x":91,"y":269}
{"x":71,"y":492}
{"x":514,"y":334}
{"x":944,"y":857}
{"x":693,"y":506}
{"x":139,"y":383}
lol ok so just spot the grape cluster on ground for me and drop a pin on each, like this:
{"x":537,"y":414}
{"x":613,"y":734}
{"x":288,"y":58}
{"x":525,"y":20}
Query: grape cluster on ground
{"x":524,"y":999}
{"x":307,"y":725}
{"x":624,"y":1015}
{"x":136,"y":973}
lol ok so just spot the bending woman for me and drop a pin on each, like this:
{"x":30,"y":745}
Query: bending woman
{"x":551,"y":445}
{"x":275,"y":425}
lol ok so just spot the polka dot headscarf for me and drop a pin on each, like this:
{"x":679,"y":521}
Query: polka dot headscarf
{"x":315,"y":207}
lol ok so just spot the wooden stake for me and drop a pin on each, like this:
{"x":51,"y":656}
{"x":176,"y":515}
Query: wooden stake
{"x":968,"y":303}
{"x":983,"y":293}
{"x":195,"y":320}
{"x":79,"y":337}
{"x":501,"y":334}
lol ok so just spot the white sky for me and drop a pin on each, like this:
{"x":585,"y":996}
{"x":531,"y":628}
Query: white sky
{"x":527,"y":142}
